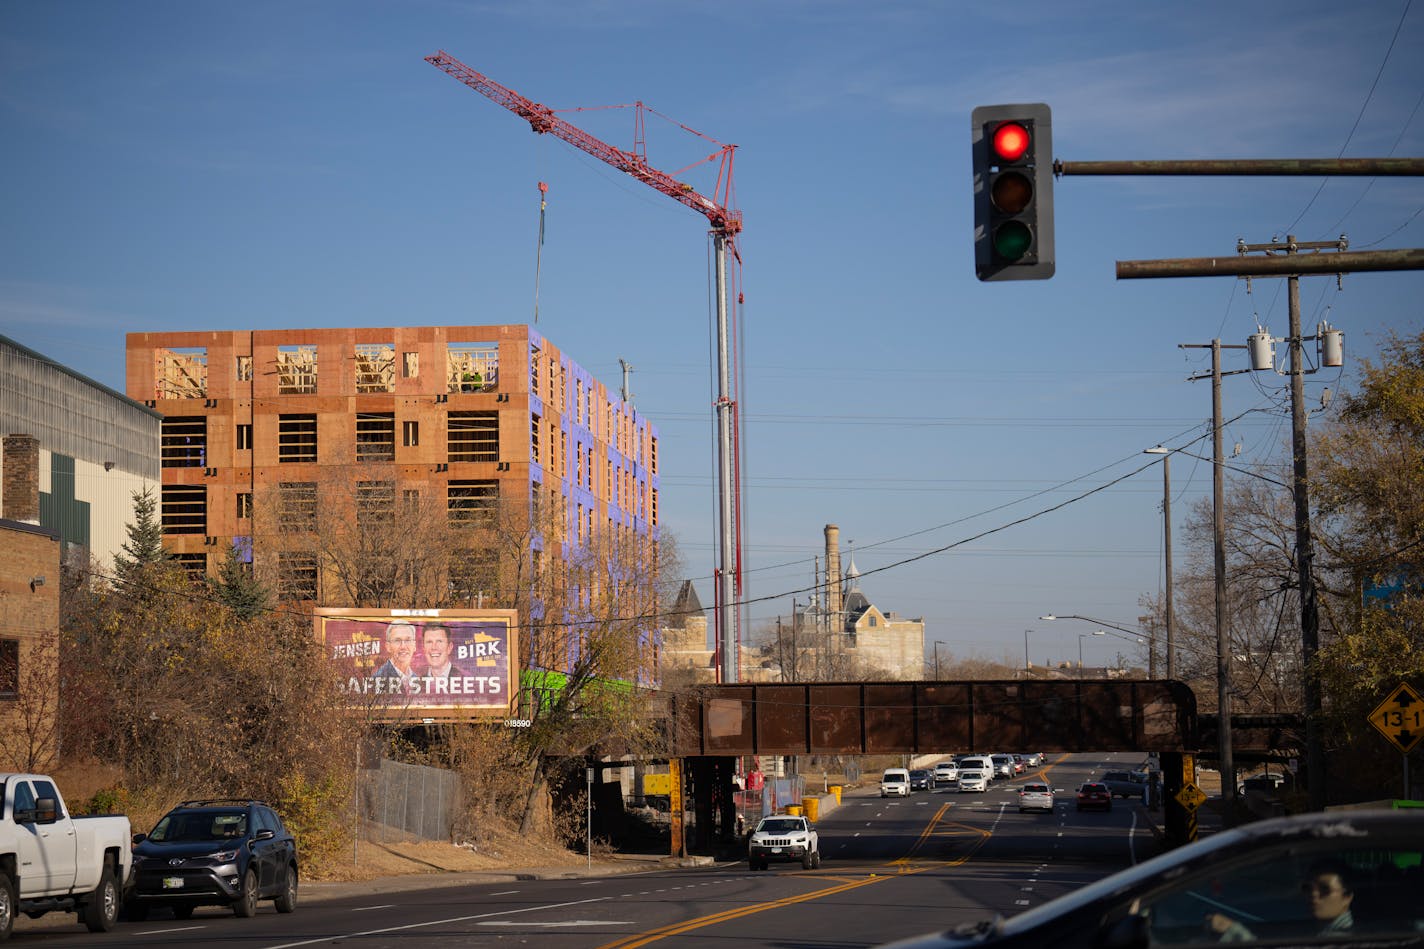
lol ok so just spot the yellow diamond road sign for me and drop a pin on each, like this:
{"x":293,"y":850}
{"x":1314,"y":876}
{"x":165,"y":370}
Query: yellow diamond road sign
{"x":1400,"y":718}
{"x":1191,"y":797}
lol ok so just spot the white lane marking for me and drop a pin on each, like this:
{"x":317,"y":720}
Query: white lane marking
{"x":504,"y":893}
{"x":1016,"y":903}
{"x":1132,"y":839}
{"x":857,"y":833}
{"x":590,"y":883}
{"x":180,"y":929}
{"x":433,"y":922}
{"x":555,"y":925}
{"x":363,"y":909}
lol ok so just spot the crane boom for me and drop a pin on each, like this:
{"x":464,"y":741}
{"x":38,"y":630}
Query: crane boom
{"x":542,"y":119}
{"x":726,"y":224}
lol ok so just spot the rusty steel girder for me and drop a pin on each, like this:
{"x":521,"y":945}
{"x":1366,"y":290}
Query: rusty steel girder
{"x":925,"y":717}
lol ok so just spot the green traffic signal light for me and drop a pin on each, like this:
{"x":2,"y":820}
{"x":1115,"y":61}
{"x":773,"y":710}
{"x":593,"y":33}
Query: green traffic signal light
{"x":1012,"y":239}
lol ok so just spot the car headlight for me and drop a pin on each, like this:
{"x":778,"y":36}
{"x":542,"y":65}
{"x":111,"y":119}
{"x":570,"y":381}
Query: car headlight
{"x":223,"y":856}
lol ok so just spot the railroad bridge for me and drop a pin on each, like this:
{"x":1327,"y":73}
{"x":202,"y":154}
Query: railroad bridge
{"x":711,"y":726}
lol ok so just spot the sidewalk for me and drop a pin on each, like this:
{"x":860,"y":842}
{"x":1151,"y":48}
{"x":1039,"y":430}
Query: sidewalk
{"x":612,"y":865}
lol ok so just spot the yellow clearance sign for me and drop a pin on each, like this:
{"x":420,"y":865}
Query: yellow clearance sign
{"x":1400,"y":718}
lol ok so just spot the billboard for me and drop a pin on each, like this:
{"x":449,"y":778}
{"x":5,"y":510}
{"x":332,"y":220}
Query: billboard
{"x":423,"y":665}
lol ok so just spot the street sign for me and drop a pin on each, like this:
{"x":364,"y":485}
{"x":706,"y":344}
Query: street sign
{"x":1400,"y":718}
{"x":1191,"y":797}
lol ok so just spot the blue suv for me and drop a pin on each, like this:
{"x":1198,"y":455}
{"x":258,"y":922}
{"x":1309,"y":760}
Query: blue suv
{"x":214,"y":853}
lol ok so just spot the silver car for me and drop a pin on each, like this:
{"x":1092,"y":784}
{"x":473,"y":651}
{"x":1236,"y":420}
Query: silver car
{"x":1035,"y":796}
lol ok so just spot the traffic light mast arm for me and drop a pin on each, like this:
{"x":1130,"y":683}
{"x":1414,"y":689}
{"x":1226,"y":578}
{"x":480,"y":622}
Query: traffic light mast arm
{"x":1282,"y":167}
{"x":542,"y":119}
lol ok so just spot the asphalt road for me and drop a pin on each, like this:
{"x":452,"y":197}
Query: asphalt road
{"x":890,"y":868}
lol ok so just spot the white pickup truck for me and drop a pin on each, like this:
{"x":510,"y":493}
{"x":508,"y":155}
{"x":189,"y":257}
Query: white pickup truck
{"x":51,"y":861}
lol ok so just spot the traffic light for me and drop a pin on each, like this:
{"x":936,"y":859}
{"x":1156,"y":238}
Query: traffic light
{"x":1013,"y":191}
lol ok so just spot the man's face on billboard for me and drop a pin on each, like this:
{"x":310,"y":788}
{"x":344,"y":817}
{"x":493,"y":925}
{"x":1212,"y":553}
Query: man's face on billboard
{"x":400,"y":641}
{"x":437,"y":646}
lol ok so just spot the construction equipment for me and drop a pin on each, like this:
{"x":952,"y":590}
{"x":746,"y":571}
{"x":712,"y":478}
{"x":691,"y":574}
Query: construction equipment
{"x":726,"y":223}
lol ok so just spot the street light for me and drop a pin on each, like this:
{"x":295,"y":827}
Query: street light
{"x":1081,"y":637}
{"x":1027,"y":665}
{"x":1166,"y":549}
{"x":1133,"y":635}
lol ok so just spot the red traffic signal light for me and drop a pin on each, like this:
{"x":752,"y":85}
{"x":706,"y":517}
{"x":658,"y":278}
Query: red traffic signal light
{"x":1010,"y":141}
{"x":1013,"y":192}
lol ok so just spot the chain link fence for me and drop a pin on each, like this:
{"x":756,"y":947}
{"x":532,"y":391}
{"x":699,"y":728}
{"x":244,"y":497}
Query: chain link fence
{"x":400,"y":801}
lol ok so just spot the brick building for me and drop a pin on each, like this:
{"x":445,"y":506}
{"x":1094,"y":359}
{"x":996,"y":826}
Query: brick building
{"x":463,"y":416}
{"x":29,"y":616}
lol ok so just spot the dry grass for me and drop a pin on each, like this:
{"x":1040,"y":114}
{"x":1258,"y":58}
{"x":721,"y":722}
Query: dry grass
{"x":393,"y":853}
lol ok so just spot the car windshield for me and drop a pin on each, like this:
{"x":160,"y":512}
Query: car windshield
{"x":1091,"y":788}
{"x":195,"y":826}
{"x":1036,"y":788}
{"x":779,"y":826}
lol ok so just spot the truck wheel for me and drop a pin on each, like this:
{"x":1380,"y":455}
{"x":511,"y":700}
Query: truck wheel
{"x":287,"y":900}
{"x":246,"y":904}
{"x":808,"y":860}
{"x":7,"y":907}
{"x":102,"y":906}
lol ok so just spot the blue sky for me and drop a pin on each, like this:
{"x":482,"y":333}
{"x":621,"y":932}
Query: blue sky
{"x":177,"y":165}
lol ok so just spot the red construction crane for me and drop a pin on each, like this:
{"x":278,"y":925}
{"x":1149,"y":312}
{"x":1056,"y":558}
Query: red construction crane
{"x":726,"y":224}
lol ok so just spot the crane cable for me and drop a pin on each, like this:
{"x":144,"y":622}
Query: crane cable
{"x":539,"y":250}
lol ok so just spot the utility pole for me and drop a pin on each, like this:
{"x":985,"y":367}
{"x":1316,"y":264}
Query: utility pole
{"x":1167,"y":558}
{"x":1223,"y":634}
{"x":1284,"y":260}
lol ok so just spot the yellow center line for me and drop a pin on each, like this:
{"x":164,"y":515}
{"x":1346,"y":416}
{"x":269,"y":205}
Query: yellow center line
{"x":901,"y":864}
{"x":642,"y":939}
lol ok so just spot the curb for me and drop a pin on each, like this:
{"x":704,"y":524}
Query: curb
{"x":320,"y":891}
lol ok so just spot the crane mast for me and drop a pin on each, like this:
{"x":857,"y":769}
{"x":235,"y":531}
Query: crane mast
{"x":725,"y":223}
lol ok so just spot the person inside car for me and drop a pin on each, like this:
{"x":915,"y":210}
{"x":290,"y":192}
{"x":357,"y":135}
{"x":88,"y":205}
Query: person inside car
{"x":1327,"y":890}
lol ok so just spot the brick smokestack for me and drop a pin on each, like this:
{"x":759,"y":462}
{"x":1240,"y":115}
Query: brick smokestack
{"x":21,"y":485}
{"x":833,"y":576}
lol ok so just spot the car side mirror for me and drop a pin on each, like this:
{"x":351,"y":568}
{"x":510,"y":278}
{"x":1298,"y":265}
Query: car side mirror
{"x":1130,"y":932}
{"x":265,"y":835}
{"x":46,"y":810}
{"x":139,"y":838}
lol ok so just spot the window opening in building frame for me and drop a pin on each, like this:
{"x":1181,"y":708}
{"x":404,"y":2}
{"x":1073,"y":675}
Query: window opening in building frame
{"x":296,"y":575}
{"x":184,"y":441}
{"x":296,"y":369}
{"x":244,"y":436}
{"x":185,"y":509}
{"x":375,"y":503}
{"x":195,"y":565}
{"x":297,"y":506}
{"x":244,"y":505}
{"x":181,"y":373}
{"x":375,"y":367}
{"x":375,"y":436}
{"x":472,"y":436}
{"x":471,"y":501}
{"x":244,"y":368}
{"x":471,"y":367}
{"x":410,"y":433}
{"x":296,"y":438}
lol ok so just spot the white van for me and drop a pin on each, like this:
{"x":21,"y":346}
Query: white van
{"x":895,"y":781}
{"x":982,"y":763}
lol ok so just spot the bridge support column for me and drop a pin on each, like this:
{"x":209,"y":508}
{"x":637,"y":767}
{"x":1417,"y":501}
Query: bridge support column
{"x":714,"y":804}
{"x":1178,"y":770}
{"x":676,"y":832}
